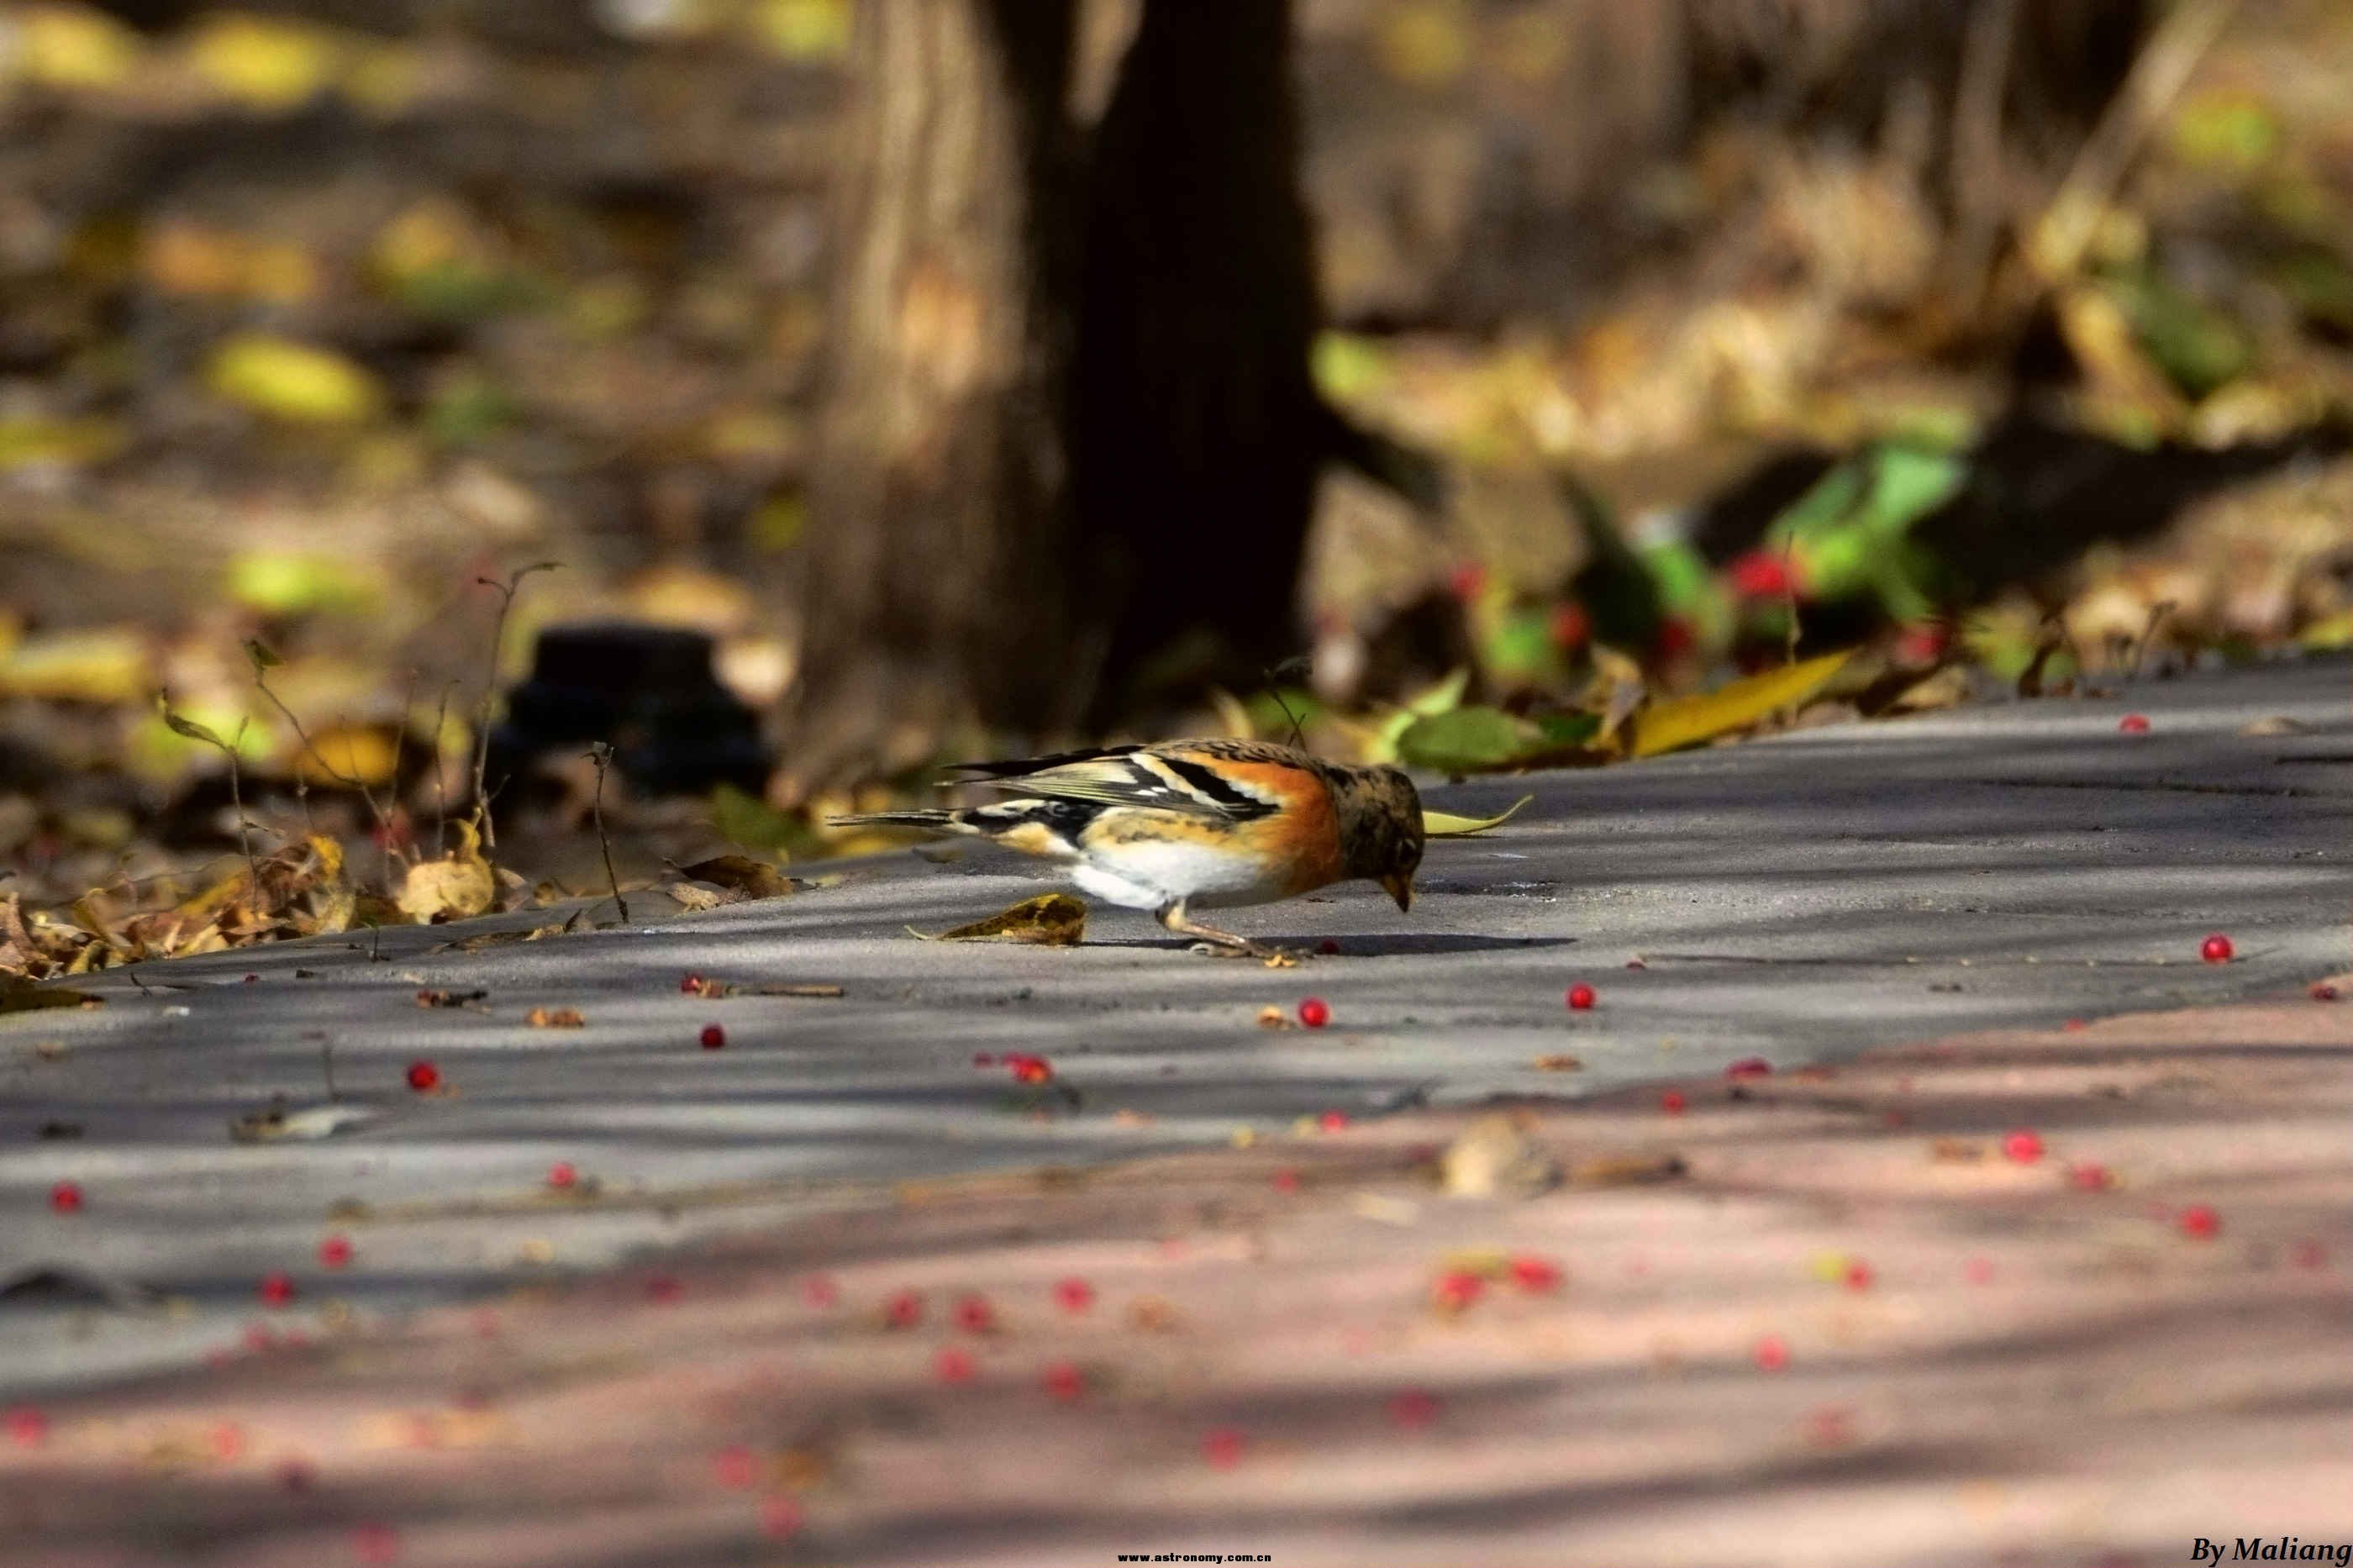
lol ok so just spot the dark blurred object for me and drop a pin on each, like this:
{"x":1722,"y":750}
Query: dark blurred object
{"x":646,"y":691}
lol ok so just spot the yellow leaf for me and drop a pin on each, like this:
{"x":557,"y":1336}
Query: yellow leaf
{"x":453,"y":888}
{"x":102,"y":665}
{"x":808,"y":30}
{"x":74,"y":45}
{"x":1687,"y":720}
{"x":1445,"y":825}
{"x":362,"y":751}
{"x":296,"y":381}
{"x":1049,"y":920}
{"x":267,"y":65}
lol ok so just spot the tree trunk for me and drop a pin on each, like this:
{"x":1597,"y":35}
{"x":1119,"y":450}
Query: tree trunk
{"x":1197,"y":430}
{"x":938,"y":589}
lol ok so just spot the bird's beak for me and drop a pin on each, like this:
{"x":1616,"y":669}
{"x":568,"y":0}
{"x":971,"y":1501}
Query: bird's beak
{"x":1399,"y":886}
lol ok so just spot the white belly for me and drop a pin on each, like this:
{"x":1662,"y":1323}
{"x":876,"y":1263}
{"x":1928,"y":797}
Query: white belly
{"x":1151,"y":875}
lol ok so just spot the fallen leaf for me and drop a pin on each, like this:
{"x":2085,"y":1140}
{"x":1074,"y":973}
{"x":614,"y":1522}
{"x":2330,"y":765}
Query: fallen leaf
{"x":741,"y":874}
{"x":1494,"y":1155}
{"x":1688,"y":721}
{"x":1558,"y":1061}
{"x":1445,"y":825}
{"x":457,"y":886}
{"x":449,"y":998}
{"x":1049,"y":920}
{"x":555,"y":1018}
{"x":275,"y":1123}
{"x":294,"y":382}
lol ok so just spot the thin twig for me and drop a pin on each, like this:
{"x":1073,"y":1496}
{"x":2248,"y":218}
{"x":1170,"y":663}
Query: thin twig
{"x":602,"y":755}
{"x":2157,"y":613}
{"x":375,"y":807}
{"x":399,"y":747}
{"x":236,"y":803}
{"x":441,"y":782}
{"x":506,"y":592}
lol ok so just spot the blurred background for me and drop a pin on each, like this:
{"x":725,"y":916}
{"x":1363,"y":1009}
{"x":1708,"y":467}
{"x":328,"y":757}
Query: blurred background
{"x":1460,"y":379}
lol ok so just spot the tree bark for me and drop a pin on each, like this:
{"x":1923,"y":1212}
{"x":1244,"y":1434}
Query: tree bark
{"x":937,"y":572}
{"x":1197,"y":431}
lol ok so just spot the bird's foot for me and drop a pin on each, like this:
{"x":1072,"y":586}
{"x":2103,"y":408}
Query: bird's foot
{"x":1272,"y":957}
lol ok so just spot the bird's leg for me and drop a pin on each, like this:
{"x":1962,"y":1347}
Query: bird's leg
{"x":1209,"y":939}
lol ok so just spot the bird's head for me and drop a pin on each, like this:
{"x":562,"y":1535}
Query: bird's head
{"x":1380,"y":828}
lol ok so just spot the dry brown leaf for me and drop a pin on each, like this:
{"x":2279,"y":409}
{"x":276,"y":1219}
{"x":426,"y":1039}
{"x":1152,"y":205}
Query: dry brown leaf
{"x":742,"y":875}
{"x":555,"y":1018}
{"x":1558,"y":1061}
{"x":1049,"y":920}
{"x":456,"y":886}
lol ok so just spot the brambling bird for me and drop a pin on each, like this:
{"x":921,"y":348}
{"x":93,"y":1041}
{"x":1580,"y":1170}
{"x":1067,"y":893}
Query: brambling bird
{"x":1187,"y":824}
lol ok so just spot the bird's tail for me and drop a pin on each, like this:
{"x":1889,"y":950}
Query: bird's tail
{"x":934,"y":821}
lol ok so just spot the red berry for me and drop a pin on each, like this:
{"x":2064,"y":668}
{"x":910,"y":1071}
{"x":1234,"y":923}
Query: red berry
{"x":1569,"y":628}
{"x":424,"y":1077}
{"x":1467,"y":581}
{"x":974,"y":1315}
{"x":27,"y":1428}
{"x":251,"y":978}
{"x":952,"y":1366}
{"x":2216,"y":949}
{"x":1859,"y":1275}
{"x":1673,"y":1102}
{"x":1074,"y":1294}
{"x":1923,"y":642}
{"x":779,"y":1516}
{"x":1029,"y":1069}
{"x":1456,"y":1289}
{"x":1315,"y":1013}
{"x":2073,"y":1024}
{"x":1535,"y":1274}
{"x":1675,"y":638}
{"x":1413,"y":1409}
{"x":2322,"y":990}
{"x":66,"y":1197}
{"x":1333,"y":1121}
{"x":819,"y":1291}
{"x":1327,"y":947}
{"x":1064,"y":1382}
{"x":277,"y":1290}
{"x":735,"y":1467}
{"x":2133,"y":724}
{"x":2089,"y":1175}
{"x":1772,"y":1352}
{"x":690,"y":985}
{"x":1286,"y":1180}
{"x":665,"y":1289}
{"x":713,"y":1036}
{"x":2201,"y":1222}
{"x":1223,"y":1449}
{"x":1761,"y":574}
{"x":903,"y":1311}
{"x":1580,"y":996}
{"x":2022,"y":1146}
{"x":227,"y":1440}
{"x":335,"y":1251}
{"x":1750,"y":1066}
{"x":563,"y":1173}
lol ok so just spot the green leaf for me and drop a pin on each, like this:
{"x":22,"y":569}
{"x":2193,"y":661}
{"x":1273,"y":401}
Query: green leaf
{"x":1689,"y":721}
{"x":189,"y":727}
{"x":1464,"y":741}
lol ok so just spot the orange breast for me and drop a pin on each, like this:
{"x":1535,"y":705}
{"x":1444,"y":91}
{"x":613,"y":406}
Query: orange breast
{"x":1303,"y":838}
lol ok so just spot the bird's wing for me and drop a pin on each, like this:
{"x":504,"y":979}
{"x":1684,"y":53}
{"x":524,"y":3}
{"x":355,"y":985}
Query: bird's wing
{"x":1222,"y":781}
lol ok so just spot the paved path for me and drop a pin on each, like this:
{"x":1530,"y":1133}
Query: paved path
{"x":1798,"y":899}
